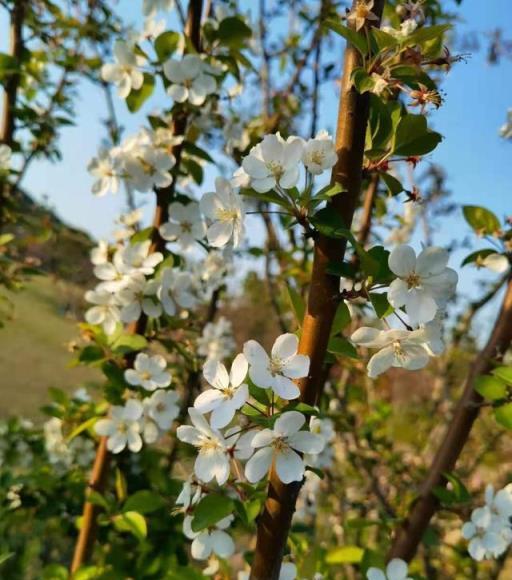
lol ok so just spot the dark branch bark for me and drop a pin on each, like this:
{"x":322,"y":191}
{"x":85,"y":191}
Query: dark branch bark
{"x":274,"y":523}
{"x":410,"y":534}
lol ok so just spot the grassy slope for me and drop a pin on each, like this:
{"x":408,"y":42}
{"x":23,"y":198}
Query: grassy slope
{"x":33,"y":347}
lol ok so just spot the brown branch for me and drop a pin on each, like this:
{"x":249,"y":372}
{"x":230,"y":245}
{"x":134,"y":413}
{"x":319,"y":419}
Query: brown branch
{"x":275,"y":521}
{"x":87,"y":532}
{"x":409,"y":536}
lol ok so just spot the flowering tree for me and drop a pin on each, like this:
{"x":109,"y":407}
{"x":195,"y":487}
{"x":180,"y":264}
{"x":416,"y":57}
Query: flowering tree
{"x":251,"y":434}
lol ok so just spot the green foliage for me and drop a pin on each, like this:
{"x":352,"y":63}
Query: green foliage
{"x":483,"y":221}
{"x":413,"y":137}
{"x":166,"y":44}
{"x":138,"y":97}
{"x":131,"y":522}
{"x":210,"y":510}
{"x":144,"y":501}
{"x":233,"y":32}
{"x":345,"y":555}
{"x":356,"y":39}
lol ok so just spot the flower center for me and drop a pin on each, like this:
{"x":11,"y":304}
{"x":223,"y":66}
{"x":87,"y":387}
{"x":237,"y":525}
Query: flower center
{"x":275,"y":168}
{"x":209,"y":446}
{"x":145,"y":376}
{"x":226,"y":215}
{"x":317,"y":157}
{"x":228,"y":392}
{"x":147,"y":167}
{"x":186,"y":227}
{"x":397,"y":347}
{"x":413,"y":280}
{"x":160,"y":407}
{"x":276,"y":366}
{"x":122,"y":427}
{"x":279,"y":444}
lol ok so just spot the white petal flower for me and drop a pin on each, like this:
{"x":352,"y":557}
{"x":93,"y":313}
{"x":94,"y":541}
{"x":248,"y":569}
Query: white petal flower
{"x":123,"y":427}
{"x":224,"y":208}
{"x":106,"y":169}
{"x":176,"y":291}
{"x":5,"y":157}
{"x":162,"y":407}
{"x":496,"y":263}
{"x":229,"y":392}
{"x":273,"y":162}
{"x":319,"y":153}
{"x":148,"y":372}
{"x":99,"y":254}
{"x":277,"y":371}
{"x":149,"y":167}
{"x":282,"y":445}
{"x":423,"y":284}
{"x":125,"y":71}
{"x":325,"y":429}
{"x":213,"y":540}
{"x":398,"y":348}
{"x":191,"y":79}
{"x":216,"y":341}
{"x":185,"y":224}
{"x":106,"y":310}
{"x":137,"y":296}
{"x":212,"y":461}
{"x":137,"y":259}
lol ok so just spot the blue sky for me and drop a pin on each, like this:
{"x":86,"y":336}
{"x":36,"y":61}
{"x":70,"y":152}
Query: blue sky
{"x":477,"y":161}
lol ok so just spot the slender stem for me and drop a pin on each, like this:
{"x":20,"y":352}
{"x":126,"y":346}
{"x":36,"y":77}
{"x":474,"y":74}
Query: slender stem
{"x":86,"y":537}
{"x":275,"y":521}
{"x":410,"y":534}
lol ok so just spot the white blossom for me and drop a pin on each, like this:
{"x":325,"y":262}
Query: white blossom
{"x":136,"y":297}
{"x":216,"y":341}
{"x":282,"y":445}
{"x":148,"y":167}
{"x":162,"y":407}
{"x":123,"y":427}
{"x":274,"y":162}
{"x":505,"y":130}
{"x":105,"y":168}
{"x":176,"y":291}
{"x":185,"y":224}
{"x":148,"y":372}
{"x":229,"y":392}
{"x":319,"y":153}
{"x":137,"y":259}
{"x":212,"y":461}
{"x":124,"y":73}
{"x":424,"y":283}
{"x":280,"y":369}
{"x":105,"y":310}
{"x":99,"y":254}
{"x":224,"y":209}
{"x":191,"y":79}
{"x":325,"y":429}
{"x":397,"y":569}
{"x":498,"y":263}
{"x":397,"y":348}
{"x":361,"y":13}
{"x":212,"y":540}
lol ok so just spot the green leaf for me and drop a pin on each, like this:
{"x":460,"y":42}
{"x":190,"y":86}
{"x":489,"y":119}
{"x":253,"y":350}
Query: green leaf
{"x":6,"y":556}
{"x":129,"y":343}
{"x":120,"y":485}
{"x":503,"y":415}
{"x":351,"y":36}
{"x":81,"y":428}
{"x":8,"y":65}
{"x":340,"y":346}
{"x":380,"y":127}
{"x":166,"y":44}
{"x":6,"y":239}
{"x":477,"y":256}
{"x":426,"y":33}
{"x":413,"y":137}
{"x":142,"y":235}
{"x":137,"y":98}
{"x":55,"y":572}
{"x":195,"y":151}
{"x":88,"y":573}
{"x":133,"y":523}
{"x":394,"y":186}
{"x":97,"y":499}
{"x":210,"y":510}
{"x":504,"y":373}
{"x":91,"y":354}
{"x":233,"y":32}
{"x":144,"y":502}
{"x":261,"y":395}
{"x":328,"y":191}
{"x":457,"y":493}
{"x":341,"y":319}
{"x":344,"y":555}
{"x":483,"y":221}
{"x":270,"y":196}
{"x":382,"y":40}
{"x":380,"y":304}
{"x":363,"y":82}
{"x":491,"y":388}
{"x":297,"y":304}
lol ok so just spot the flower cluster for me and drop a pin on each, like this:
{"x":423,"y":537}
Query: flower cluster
{"x":490,"y":531}
{"x":397,"y":569}
{"x":422,"y":288}
{"x":128,"y":425}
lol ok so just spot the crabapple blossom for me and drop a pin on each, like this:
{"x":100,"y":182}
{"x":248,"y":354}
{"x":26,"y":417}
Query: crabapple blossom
{"x":498,"y":263}
{"x":148,"y":372}
{"x":124,"y":73}
{"x":135,"y":299}
{"x":137,"y":259}
{"x":99,"y":254}
{"x":319,"y":153}
{"x":212,"y":461}
{"x":185,"y":224}
{"x":240,"y":444}
{"x":123,"y":427}
{"x":283,"y":445}
{"x":162,"y":407}
{"x":216,"y":341}
{"x":396,"y":569}
{"x":273,"y":162}
{"x":229,"y":392}
{"x":189,"y":496}
{"x":397,"y":348}
{"x":224,"y":209}
{"x":212,"y":540}
{"x":149,"y":168}
{"x":105,"y":168}
{"x":5,"y":157}
{"x":361,"y":12}
{"x":105,"y":311}
{"x":176,"y":291}
{"x":407,"y":27}
{"x":212,"y":271}
{"x":190,"y":79}
{"x":325,"y":429}
{"x":424,"y":282}
{"x":505,"y":130}
{"x":277,"y":371}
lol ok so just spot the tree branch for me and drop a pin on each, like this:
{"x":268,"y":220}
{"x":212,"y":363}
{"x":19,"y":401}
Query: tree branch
{"x":274,"y":523}
{"x":409,"y":535}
